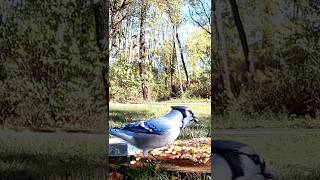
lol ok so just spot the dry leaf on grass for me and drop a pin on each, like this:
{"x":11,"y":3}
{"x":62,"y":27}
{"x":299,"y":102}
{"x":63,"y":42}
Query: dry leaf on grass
{"x":115,"y":176}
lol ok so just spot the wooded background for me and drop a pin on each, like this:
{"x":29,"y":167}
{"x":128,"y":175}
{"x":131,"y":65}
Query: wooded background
{"x":51,"y":64}
{"x":152,"y":58}
{"x":54,"y":58}
{"x":266,"y":57}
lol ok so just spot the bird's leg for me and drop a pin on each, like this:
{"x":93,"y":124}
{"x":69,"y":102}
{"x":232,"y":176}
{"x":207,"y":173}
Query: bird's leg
{"x":159,"y":162}
{"x":146,"y":155}
{"x":156,"y":159}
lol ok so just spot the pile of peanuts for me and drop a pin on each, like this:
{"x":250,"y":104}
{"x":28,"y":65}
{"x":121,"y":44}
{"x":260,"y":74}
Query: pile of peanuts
{"x":196,"y":150}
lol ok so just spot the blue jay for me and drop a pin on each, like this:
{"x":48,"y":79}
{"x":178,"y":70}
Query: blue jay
{"x":237,"y":161}
{"x":157,"y":132}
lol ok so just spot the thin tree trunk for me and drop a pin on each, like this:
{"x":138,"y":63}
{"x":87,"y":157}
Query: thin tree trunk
{"x":133,"y":51}
{"x":130,"y":50}
{"x":221,"y":49}
{"x":243,"y":38}
{"x":182,"y":58}
{"x":102,"y":35}
{"x":173,"y":91}
{"x":130,"y":41}
{"x":177,"y":52}
{"x":142,"y":52}
{"x":128,"y":37}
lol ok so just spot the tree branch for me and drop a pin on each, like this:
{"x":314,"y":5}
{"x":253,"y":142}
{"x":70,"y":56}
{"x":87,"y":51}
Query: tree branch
{"x":205,"y":12}
{"x":120,"y":20}
{"x":199,"y":24}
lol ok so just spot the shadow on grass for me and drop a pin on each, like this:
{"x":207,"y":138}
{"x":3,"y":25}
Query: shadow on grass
{"x":33,"y":166}
{"x":296,"y":172}
{"x":237,"y":120}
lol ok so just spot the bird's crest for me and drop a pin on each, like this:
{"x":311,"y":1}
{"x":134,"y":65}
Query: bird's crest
{"x":182,"y":109}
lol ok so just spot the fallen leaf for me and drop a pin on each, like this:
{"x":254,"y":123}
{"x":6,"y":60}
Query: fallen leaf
{"x":115,"y":176}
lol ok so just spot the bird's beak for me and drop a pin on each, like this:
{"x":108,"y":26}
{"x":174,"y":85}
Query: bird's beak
{"x":195,"y":120}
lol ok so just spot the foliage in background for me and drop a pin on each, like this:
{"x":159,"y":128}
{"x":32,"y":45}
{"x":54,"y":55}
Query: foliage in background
{"x":198,"y":46}
{"x":49,"y":66}
{"x":284,"y":43}
{"x":165,"y":70}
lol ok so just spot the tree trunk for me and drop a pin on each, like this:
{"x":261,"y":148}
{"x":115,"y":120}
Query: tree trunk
{"x":117,"y":16}
{"x":212,"y":67}
{"x":142,"y":52}
{"x":130,"y":50}
{"x":130,"y":43}
{"x":182,"y":58}
{"x":133,"y":56}
{"x":243,"y":39}
{"x":172,"y":69}
{"x":102,"y":36}
{"x":126,"y":37}
{"x":176,"y":50}
{"x":221,"y":49}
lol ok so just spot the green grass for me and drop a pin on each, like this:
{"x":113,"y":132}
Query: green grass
{"x":268,"y":120}
{"x":150,"y":172}
{"x":186,"y":100}
{"x":290,"y":156}
{"x":35,"y":155}
{"x":121,"y":114}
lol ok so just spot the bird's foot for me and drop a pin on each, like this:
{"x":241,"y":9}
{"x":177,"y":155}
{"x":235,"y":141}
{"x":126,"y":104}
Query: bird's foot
{"x":151,"y":159}
{"x":150,"y":162}
{"x":154,"y":157}
{"x":154,"y":161}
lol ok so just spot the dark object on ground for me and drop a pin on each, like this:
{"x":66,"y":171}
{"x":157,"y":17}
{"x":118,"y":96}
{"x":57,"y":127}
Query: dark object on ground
{"x":236,"y":161}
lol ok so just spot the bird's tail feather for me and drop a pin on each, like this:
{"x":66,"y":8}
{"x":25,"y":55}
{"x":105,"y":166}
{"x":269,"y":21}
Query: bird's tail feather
{"x":123,"y":134}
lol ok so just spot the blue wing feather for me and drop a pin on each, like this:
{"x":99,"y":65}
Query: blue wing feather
{"x":144,"y":127}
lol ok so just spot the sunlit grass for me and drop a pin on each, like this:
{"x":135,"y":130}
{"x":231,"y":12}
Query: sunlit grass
{"x":268,"y":120}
